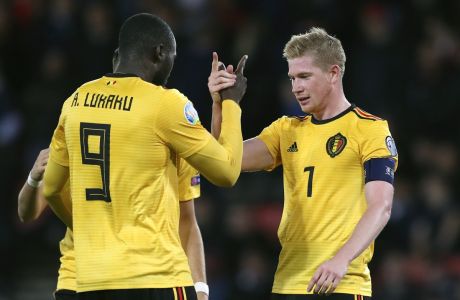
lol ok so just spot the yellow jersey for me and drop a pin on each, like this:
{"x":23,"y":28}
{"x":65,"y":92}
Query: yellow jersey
{"x":189,"y":188}
{"x":66,"y":277}
{"x":324,"y":182}
{"x":121,"y":138}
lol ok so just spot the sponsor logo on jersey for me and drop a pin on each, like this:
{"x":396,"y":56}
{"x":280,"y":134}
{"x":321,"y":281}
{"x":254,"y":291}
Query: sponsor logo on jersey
{"x":391,"y":145}
{"x":191,"y":114}
{"x":293,"y":148}
{"x":335,"y":145}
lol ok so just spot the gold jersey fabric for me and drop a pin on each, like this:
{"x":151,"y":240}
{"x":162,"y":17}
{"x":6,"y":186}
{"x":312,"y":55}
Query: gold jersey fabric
{"x":189,"y":188}
{"x":324,"y":193}
{"x":121,"y":138}
{"x":66,"y":278}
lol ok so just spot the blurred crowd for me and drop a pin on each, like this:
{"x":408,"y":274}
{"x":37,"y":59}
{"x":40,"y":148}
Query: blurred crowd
{"x":403,"y":64}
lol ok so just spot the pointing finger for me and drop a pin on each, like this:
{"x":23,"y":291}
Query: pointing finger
{"x":215,"y":62}
{"x":241,"y":64}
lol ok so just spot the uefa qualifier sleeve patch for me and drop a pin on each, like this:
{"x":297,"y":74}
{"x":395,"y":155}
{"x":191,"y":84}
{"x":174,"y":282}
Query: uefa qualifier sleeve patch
{"x":190,"y":113}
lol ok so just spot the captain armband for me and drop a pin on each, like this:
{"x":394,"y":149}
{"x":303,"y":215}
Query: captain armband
{"x":379,"y":169}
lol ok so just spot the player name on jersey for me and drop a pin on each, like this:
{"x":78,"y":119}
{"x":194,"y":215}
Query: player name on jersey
{"x":98,"y":100}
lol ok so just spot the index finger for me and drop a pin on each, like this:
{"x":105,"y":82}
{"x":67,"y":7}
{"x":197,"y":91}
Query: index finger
{"x":241,"y":64}
{"x":313,"y":281}
{"x":215,"y":62}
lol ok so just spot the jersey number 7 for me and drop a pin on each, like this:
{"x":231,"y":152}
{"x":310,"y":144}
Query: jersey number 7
{"x":311,"y":171}
{"x":101,"y":158}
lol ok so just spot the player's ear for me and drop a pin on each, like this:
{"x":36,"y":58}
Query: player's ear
{"x":159,"y":53}
{"x":334,"y":73}
{"x":115,"y":58}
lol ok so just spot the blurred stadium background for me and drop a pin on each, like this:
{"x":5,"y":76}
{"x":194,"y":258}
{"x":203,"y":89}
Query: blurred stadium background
{"x":403,"y":65}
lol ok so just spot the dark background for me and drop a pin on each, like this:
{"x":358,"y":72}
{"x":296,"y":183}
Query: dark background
{"x":403,"y":64}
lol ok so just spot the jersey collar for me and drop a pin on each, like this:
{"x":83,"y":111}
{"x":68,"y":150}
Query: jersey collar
{"x":118,"y":75}
{"x":325,"y":121}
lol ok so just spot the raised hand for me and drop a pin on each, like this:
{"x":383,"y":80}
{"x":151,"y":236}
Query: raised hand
{"x":221,"y":77}
{"x":237,"y":91}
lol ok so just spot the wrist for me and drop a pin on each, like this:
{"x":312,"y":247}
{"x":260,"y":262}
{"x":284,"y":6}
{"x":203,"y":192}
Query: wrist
{"x":202,"y":287}
{"x":227,"y":100}
{"x":32,"y":182}
{"x":344,"y":256}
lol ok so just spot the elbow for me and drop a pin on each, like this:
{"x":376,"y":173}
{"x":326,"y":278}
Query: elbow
{"x":225,"y":180}
{"x":386,"y":210}
{"x":228,"y":181}
{"x":49,"y":192}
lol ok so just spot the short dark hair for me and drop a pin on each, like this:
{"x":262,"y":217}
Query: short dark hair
{"x":142,"y":31}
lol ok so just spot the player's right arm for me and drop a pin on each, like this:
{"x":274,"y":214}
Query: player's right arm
{"x":217,"y":160}
{"x":256,"y":155}
{"x":30,"y":200}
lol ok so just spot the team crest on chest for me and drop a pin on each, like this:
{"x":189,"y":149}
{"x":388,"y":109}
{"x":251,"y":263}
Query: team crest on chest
{"x":335,"y":145}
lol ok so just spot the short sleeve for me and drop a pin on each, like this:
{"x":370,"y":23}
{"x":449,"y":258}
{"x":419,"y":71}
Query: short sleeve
{"x":377,"y":142}
{"x":58,"y":147}
{"x":179,"y":126}
{"x":271,"y":136}
{"x":189,"y":181}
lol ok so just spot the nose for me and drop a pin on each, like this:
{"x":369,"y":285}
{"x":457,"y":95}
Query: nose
{"x":296,"y":86}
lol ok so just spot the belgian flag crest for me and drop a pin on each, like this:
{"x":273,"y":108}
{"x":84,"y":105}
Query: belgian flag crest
{"x":335,"y":144}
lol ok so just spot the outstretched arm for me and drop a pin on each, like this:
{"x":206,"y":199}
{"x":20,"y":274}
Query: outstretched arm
{"x":222,"y":168}
{"x":255,"y":153}
{"x":31,"y":202}
{"x":379,"y":196}
{"x":192,"y":243}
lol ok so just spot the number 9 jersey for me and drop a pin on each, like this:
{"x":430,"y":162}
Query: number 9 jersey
{"x":324,"y":177}
{"x":122,"y":139}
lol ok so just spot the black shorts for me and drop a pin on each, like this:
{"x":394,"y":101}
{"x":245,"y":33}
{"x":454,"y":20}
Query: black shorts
{"x":177,"y":293}
{"x":319,"y":297}
{"x":65,"y":295}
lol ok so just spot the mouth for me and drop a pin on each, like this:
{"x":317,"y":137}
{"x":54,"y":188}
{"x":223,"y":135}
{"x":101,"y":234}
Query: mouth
{"x":303,"y":100}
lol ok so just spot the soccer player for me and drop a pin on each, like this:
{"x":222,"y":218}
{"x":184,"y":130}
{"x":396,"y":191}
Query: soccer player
{"x":31,"y":204}
{"x":338,"y":168}
{"x":118,"y":140}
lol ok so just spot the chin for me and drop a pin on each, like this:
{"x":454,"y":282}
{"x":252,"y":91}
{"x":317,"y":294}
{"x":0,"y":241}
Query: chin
{"x":306,"y":108}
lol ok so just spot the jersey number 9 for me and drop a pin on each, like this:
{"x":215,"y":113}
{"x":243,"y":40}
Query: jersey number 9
{"x":100,"y":158}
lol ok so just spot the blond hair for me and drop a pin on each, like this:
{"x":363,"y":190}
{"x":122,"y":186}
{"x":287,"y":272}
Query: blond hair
{"x":326,"y":49}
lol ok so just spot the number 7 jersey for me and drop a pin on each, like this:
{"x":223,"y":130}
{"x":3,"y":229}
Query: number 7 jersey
{"x":122,"y":138}
{"x":323,"y":170}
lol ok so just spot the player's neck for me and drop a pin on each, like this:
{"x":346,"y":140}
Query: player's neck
{"x":130,"y":68}
{"x":332,"y":108}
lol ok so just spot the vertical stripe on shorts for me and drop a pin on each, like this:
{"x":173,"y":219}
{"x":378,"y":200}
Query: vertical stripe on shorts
{"x":180,"y":293}
{"x":175,"y":294}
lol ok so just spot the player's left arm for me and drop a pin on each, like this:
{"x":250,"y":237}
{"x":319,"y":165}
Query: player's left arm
{"x":192,"y":243}
{"x":380,"y":160}
{"x":379,"y":196}
{"x":54,"y":180}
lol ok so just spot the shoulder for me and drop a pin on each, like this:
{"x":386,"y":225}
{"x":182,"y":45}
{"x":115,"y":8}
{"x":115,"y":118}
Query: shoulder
{"x":289,"y":121}
{"x":175,"y":94}
{"x":368,"y":125}
{"x":364,"y":115}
